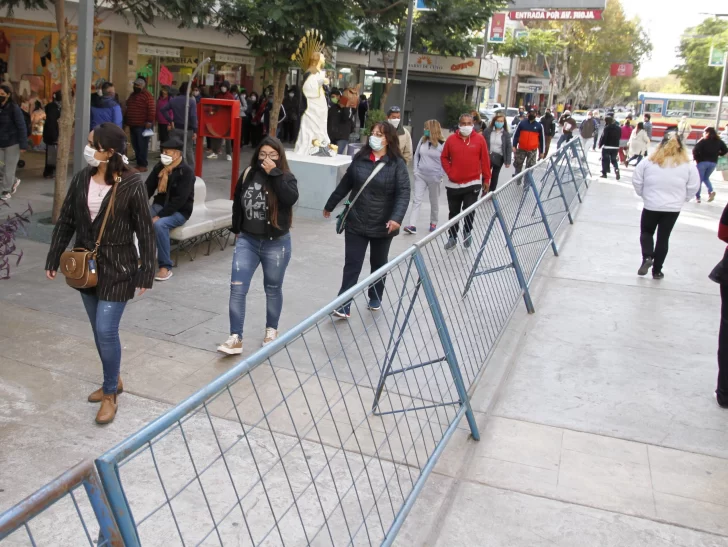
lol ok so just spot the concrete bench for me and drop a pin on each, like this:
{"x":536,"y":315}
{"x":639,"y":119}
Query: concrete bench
{"x":210,"y":221}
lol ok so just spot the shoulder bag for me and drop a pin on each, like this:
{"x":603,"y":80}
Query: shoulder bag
{"x":720,"y":272}
{"x":341,"y":219}
{"x":79,"y":265}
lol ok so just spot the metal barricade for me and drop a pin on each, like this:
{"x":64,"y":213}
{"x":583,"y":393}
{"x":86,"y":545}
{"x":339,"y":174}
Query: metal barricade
{"x":327,"y":435}
{"x":32,"y":522}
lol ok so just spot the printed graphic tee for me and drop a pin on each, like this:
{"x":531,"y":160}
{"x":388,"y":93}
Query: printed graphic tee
{"x":254,"y":207}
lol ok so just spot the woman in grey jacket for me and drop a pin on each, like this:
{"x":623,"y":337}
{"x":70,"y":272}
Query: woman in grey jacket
{"x":428,"y":175}
{"x":499,"y":146}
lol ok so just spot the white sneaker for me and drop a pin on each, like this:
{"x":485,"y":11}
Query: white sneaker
{"x":5,"y":196}
{"x":233,"y":345}
{"x":229,"y":157}
{"x":270,"y":336}
{"x":17,"y":183}
{"x":212,"y":156}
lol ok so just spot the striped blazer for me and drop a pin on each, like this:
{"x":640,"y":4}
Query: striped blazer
{"x":119,"y":270}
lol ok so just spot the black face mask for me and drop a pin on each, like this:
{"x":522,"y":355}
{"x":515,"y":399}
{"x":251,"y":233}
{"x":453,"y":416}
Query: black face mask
{"x":137,"y":90}
{"x":531,"y":117}
{"x":4,"y":99}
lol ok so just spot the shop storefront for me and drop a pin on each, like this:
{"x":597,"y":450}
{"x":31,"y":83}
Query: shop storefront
{"x":171,"y":66}
{"x":29,"y":58}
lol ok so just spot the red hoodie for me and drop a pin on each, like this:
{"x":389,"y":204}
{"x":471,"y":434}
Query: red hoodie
{"x":466,"y":160}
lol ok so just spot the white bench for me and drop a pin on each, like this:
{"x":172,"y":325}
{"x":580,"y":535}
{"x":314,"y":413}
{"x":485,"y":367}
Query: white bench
{"x":210,"y":221}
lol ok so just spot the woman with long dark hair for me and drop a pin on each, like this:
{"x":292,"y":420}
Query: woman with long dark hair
{"x":108,"y":181}
{"x":262,"y":215}
{"x":706,"y":153}
{"x":380,"y":173}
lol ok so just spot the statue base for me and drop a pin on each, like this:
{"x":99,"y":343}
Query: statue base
{"x":317,"y":178}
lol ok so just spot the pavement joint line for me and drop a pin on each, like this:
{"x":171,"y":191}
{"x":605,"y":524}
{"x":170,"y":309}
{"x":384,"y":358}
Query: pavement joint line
{"x":654,"y":285}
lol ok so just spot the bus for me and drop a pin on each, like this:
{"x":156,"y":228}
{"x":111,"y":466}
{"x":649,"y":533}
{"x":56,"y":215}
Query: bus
{"x":666,"y":109}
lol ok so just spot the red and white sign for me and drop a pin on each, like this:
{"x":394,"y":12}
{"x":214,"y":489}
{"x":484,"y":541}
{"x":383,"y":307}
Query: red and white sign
{"x":497,"y":29}
{"x":622,"y":69}
{"x":554,"y":15}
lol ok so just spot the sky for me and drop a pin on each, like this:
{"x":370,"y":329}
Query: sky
{"x":665,"y":21}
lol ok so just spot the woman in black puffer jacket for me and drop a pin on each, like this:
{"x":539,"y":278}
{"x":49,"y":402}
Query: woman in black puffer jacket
{"x":378,"y":212}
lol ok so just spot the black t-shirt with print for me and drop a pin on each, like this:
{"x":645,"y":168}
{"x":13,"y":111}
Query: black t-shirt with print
{"x":254,"y":209}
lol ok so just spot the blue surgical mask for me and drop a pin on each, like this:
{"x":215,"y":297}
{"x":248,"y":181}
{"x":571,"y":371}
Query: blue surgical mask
{"x":499,"y":125}
{"x":376,"y":143}
{"x":427,"y":132}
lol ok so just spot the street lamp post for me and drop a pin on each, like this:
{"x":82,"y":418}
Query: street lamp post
{"x":722,"y":91}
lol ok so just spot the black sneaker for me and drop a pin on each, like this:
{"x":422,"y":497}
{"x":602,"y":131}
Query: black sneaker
{"x":721,"y":404}
{"x":646,"y":265}
{"x":617,"y":173}
{"x":451,"y":244}
{"x":657,"y":275}
{"x":604,"y":175}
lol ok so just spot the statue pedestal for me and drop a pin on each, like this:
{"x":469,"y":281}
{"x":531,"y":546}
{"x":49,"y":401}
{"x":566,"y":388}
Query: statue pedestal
{"x":317,"y":177}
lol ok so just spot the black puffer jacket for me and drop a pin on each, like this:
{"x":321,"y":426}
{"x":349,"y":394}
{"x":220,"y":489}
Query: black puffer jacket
{"x":611,"y":136}
{"x":285,"y":187}
{"x":385,"y":198}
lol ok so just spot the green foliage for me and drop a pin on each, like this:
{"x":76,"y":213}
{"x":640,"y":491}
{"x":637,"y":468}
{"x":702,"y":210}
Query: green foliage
{"x":455,"y":105}
{"x":512,"y":46}
{"x":373,"y":117}
{"x":664,"y":84}
{"x":694,"y":73}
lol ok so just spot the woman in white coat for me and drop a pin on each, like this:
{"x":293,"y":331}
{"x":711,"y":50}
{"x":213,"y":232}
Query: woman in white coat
{"x":639,"y":145}
{"x":428,"y":175}
{"x":664,"y":181}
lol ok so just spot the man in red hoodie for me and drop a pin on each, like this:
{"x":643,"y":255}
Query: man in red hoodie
{"x":466,"y":162}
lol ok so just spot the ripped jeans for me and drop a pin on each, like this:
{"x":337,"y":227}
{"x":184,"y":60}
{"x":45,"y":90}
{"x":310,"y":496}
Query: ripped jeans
{"x":274,"y":255}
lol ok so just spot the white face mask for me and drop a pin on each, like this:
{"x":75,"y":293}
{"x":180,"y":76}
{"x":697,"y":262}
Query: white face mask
{"x":466,"y":130}
{"x":223,"y":89}
{"x":89,"y":156}
{"x":291,"y":95}
{"x":394,"y":122}
{"x":165,"y":159}
{"x":376,"y":143}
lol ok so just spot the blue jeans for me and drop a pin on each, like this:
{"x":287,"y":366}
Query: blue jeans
{"x":105,"y":317}
{"x":161,"y":230}
{"x":342,"y":144}
{"x":140,"y":145}
{"x":274,"y":255}
{"x":563,"y":139}
{"x":705,"y":168}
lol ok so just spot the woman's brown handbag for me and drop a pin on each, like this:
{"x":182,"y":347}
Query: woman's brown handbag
{"x":79,"y":264}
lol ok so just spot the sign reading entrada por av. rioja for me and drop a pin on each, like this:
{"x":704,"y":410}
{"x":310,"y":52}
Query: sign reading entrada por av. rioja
{"x":553,"y":15}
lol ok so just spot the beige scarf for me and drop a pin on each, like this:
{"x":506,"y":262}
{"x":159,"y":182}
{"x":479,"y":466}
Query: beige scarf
{"x":162,"y":186}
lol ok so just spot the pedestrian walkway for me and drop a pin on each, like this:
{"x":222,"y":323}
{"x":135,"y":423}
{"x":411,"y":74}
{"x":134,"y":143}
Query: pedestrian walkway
{"x":598,"y":421}
{"x":596,"y":414}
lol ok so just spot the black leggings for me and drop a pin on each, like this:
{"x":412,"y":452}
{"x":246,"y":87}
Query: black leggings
{"x":663,"y":222}
{"x":355,"y":251}
{"x":457,"y":201}
{"x":722,"y":390}
{"x":494,"y":173}
{"x":609,"y":156}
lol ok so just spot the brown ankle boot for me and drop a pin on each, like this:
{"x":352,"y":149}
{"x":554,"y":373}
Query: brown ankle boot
{"x":107,"y":412}
{"x":97,"y":395}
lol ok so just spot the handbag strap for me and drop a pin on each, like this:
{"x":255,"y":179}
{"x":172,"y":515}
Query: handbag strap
{"x":376,"y":170}
{"x":109,"y":207}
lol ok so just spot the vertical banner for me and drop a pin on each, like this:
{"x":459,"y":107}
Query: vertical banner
{"x":497,"y":28}
{"x":717,"y":55}
{"x":622,"y":69}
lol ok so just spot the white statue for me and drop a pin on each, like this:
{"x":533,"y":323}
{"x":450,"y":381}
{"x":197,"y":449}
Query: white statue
{"x":313,"y":135}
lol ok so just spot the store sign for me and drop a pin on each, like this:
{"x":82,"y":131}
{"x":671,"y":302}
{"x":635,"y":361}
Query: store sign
{"x":717,"y":56}
{"x":234,"y":59}
{"x":431,"y":63}
{"x":554,"y":15}
{"x":621,"y":70}
{"x":497,"y":29}
{"x":529,"y":87}
{"x":158,"y":51}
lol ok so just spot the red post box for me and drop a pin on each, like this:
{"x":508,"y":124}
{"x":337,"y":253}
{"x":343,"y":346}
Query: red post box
{"x":219,"y":119}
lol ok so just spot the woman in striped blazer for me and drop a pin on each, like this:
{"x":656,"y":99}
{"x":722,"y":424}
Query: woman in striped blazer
{"x":120,"y":270}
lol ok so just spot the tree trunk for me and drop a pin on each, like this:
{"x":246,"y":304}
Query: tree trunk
{"x":65,"y":124}
{"x":279,"y":88}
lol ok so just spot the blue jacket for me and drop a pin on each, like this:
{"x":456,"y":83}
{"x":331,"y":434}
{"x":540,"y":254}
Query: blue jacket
{"x":105,"y":109}
{"x":12,"y":126}
{"x":177,"y":106}
{"x":525,"y":134}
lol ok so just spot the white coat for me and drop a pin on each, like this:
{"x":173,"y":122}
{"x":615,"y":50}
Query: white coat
{"x":639,"y":143}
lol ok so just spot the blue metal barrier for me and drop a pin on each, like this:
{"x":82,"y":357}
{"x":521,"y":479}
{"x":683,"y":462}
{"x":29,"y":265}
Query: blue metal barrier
{"x":16,"y":522}
{"x":328,"y":434}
